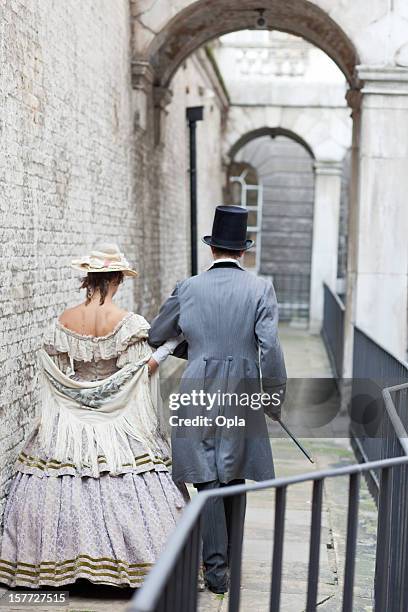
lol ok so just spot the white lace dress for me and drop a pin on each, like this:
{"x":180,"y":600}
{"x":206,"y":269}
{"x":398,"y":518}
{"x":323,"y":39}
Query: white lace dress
{"x":62,"y":522}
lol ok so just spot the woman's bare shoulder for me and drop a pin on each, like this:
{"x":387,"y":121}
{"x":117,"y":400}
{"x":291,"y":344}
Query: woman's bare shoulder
{"x":70,"y":314}
{"x":96,"y":322}
{"x":115,"y":315}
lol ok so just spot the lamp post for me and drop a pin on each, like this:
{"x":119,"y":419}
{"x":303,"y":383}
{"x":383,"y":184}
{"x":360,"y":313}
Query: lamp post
{"x":194,"y":114}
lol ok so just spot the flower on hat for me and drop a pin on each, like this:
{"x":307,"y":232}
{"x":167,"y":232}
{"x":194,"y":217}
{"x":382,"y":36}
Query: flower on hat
{"x":105,"y":258}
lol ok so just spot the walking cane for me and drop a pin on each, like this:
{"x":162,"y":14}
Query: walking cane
{"x":298,"y":444}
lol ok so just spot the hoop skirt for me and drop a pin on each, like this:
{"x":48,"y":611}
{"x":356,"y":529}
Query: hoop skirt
{"x":64,"y":521}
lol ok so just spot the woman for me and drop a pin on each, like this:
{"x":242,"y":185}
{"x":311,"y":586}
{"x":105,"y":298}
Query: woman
{"x":93,"y":496}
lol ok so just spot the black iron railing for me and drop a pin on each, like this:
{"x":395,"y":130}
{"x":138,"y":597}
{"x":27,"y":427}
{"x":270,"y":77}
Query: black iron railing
{"x":333,"y":329}
{"x":379,"y":417}
{"x":379,"y":420}
{"x":374,"y":369}
{"x":172,"y":584}
{"x":391,"y":575}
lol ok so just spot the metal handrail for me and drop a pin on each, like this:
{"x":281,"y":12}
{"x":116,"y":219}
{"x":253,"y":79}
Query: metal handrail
{"x":171,"y":586}
{"x":391,"y":588}
{"x":374,"y":368}
{"x":399,"y":428}
{"x":147,"y":598}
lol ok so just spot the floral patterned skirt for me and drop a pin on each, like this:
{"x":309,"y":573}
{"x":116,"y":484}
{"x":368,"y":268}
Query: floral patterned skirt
{"x":109,"y":530}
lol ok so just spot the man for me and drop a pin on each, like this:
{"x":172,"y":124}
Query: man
{"x":229,"y":320}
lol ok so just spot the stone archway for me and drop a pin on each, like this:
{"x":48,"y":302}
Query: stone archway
{"x":204,"y":20}
{"x":160,"y":52}
{"x":324,"y":133}
{"x":355,"y":35}
{"x":201,"y":21}
{"x":272,"y":132}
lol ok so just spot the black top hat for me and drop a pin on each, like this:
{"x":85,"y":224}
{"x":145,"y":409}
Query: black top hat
{"x":229,"y":230}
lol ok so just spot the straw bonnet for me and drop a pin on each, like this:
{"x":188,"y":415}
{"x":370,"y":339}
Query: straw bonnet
{"x":104,"y":258}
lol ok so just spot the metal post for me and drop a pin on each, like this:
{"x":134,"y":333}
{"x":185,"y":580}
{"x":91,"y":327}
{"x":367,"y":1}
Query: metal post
{"x":195,"y":564}
{"x":314,"y":552}
{"x":352,"y":526}
{"x":194,"y":114}
{"x":277,"y":561}
{"x":381,"y":587}
{"x":236,"y":537}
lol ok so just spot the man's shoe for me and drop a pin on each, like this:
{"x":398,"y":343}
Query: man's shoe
{"x":217,"y":590}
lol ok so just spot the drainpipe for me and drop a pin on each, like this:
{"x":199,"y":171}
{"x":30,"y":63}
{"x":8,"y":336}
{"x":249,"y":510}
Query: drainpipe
{"x":194,"y":114}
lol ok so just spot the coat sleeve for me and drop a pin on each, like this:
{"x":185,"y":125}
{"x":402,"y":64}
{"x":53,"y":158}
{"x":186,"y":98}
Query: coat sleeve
{"x":166,"y":324}
{"x":271,"y":358}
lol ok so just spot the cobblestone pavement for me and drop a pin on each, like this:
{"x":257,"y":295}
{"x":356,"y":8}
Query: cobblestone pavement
{"x":306,"y":359}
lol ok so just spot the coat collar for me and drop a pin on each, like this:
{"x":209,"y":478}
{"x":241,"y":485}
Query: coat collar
{"x":225,"y":262}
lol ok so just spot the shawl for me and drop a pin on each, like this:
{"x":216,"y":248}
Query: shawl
{"x":97,"y":417}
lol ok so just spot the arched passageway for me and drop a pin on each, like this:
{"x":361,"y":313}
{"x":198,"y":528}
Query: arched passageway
{"x":284,"y":167}
{"x":199,"y":22}
{"x":272,"y":132}
{"x":356,"y":37}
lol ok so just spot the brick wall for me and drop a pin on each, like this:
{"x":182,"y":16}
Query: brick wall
{"x":65,"y":177}
{"x":74,"y":168}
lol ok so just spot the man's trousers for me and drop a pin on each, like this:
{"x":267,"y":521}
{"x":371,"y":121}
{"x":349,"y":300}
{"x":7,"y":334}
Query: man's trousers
{"x":216,"y":529}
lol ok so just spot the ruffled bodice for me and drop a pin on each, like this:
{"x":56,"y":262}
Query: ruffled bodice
{"x":90,"y":358}
{"x":96,"y":357}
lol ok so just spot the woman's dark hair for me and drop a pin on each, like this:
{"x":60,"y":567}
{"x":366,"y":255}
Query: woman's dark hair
{"x":100,"y":280}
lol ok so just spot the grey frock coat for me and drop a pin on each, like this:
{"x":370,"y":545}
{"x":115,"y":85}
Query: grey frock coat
{"x":229,"y":318}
